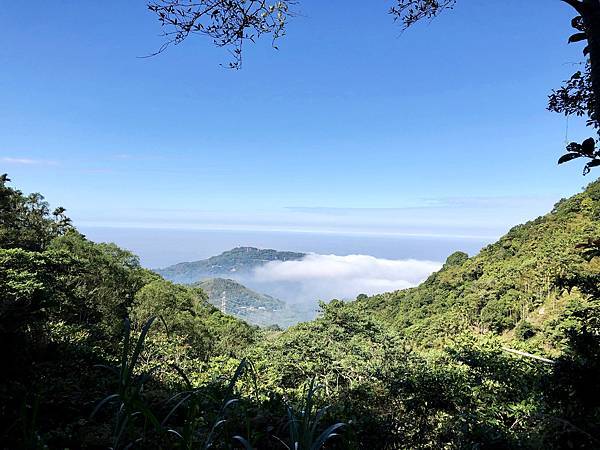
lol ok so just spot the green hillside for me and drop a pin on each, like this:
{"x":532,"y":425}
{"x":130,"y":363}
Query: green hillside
{"x":511,"y":286}
{"x":239,"y":260}
{"x":231,"y":297}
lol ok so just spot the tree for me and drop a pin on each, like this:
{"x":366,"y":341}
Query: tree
{"x":179,"y":307}
{"x":103,"y":284}
{"x":26,"y":221}
{"x":580,"y":95}
{"x":229,"y":23}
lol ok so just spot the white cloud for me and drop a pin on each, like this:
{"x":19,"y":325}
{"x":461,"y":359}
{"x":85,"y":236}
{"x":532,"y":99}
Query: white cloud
{"x":28,"y":161}
{"x":323,"y":277}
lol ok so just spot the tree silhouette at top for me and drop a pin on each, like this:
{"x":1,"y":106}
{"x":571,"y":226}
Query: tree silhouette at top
{"x":232,"y":23}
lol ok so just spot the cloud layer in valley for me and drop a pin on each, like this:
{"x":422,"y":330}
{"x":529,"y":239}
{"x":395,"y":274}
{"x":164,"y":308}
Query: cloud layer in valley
{"x":323,"y":277}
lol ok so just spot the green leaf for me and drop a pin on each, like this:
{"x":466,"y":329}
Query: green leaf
{"x":594,"y":163}
{"x":102,"y":403}
{"x":568,"y":157}
{"x":577,"y":37}
{"x":327,"y":434}
{"x":244,"y":442}
{"x":588,"y":146}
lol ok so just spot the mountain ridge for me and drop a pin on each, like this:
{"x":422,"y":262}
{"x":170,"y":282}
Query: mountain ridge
{"x":239,"y":260}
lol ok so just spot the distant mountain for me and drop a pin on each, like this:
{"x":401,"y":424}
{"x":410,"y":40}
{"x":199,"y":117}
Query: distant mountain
{"x":237,"y":300}
{"x":237,"y":261}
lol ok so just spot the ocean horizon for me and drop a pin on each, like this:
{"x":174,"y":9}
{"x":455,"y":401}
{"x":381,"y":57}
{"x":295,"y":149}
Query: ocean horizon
{"x":159,"y":248}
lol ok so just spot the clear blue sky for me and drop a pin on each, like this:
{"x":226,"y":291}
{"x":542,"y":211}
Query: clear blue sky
{"x":349,"y":126}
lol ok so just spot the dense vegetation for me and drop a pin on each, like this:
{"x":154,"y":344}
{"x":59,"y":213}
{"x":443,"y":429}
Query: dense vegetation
{"x":253,"y":307}
{"x":101,"y":353}
{"x":514,"y":287}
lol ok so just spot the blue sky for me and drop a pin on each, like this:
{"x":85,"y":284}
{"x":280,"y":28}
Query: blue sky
{"x":350,"y":127}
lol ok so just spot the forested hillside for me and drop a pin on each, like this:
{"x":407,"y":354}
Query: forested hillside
{"x":231,"y":297}
{"x":99,"y":352}
{"x":63,"y":304}
{"x":240,"y":260}
{"x":515,"y":287}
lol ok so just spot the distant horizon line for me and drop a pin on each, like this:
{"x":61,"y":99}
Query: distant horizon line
{"x":481,"y":237}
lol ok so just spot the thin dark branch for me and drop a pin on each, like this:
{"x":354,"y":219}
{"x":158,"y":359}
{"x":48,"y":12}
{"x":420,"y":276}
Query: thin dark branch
{"x":227,"y":22}
{"x":409,"y":12}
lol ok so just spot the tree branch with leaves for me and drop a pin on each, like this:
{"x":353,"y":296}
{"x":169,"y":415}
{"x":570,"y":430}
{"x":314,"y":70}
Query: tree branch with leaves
{"x":229,"y":23}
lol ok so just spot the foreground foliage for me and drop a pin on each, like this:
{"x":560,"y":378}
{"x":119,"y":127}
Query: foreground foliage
{"x":102,"y":353}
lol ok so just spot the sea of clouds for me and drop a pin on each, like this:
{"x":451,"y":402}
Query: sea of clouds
{"x":325,"y":277}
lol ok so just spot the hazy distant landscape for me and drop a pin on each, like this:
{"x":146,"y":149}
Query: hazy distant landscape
{"x":299,"y":287}
{"x":298,"y":280}
{"x":164,"y":247}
